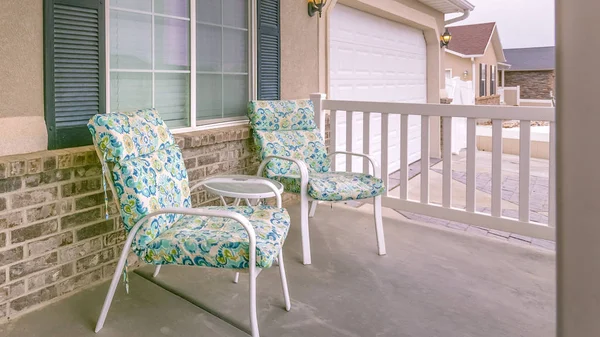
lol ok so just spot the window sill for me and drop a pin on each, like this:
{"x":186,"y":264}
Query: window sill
{"x":189,"y":139}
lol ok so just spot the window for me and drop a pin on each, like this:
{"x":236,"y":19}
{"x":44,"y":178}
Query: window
{"x":448,"y":74}
{"x":482,"y":79}
{"x":493,"y":73}
{"x":150,"y":58}
{"x":193,"y":60}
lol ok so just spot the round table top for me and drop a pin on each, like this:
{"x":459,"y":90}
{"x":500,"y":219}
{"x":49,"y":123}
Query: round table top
{"x":233,"y":189}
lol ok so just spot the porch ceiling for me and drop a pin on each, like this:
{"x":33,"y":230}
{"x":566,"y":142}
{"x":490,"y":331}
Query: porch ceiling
{"x":433,"y":282}
{"x":449,"y":6}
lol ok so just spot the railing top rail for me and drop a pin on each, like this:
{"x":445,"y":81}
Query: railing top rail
{"x":445,"y":110}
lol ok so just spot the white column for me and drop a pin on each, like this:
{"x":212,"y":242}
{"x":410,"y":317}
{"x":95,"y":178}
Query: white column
{"x":578,"y":185}
{"x":503,"y":78}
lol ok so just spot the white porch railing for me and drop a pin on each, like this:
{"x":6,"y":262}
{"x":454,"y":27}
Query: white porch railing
{"x":523,"y":225}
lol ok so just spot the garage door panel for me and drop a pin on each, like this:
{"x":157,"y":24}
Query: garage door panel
{"x":375,"y":59}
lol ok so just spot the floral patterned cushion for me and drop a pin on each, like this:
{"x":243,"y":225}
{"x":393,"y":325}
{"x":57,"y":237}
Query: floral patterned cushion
{"x":126,"y":135}
{"x":335,"y":186}
{"x":147,"y":184}
{"x":307,"y":146}
{"x":282,"y":115}
{"x":287,"y":128}
{"x":219,"y":243}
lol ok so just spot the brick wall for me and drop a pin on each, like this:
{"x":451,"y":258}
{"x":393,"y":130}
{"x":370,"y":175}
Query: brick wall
{"x":54,"y":239}
{"x":488,"y":100}
{"x":534,"y":84}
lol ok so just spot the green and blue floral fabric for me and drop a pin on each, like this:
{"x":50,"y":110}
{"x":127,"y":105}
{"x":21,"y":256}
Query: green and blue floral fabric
{"x":221,"y":243}
{"x":287,"y":129}
{"x":149,"y":174}
{"x":335,"y":186}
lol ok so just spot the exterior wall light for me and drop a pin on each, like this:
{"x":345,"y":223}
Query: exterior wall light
{"x":445,"y":38}
{"x":315,"y":6}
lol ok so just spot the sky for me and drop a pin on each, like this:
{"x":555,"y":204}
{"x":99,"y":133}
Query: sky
{"x":521,"y":23}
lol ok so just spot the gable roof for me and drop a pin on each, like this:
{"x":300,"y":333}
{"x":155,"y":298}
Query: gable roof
{"x":537,"y":58}
{"x":471,"y":39}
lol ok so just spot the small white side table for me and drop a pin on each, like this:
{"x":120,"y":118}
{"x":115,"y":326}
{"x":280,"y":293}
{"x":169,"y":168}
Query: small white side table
{"x":229,"y":186}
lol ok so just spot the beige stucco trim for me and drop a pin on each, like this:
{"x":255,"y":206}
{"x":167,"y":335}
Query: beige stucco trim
{"x":22,"y":134}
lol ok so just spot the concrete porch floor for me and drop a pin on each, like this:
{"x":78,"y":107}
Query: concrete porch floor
{"x":433,"y":282}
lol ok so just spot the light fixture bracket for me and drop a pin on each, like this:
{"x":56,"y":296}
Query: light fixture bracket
{"x":314,"y":8}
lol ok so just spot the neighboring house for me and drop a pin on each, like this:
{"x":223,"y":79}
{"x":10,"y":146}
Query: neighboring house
{"x":533,"y":70}
{"x":475,"y":54}
{"x":63,"y":61}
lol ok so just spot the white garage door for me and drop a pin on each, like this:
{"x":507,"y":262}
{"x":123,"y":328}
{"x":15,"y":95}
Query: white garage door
{"x":375,"y":59}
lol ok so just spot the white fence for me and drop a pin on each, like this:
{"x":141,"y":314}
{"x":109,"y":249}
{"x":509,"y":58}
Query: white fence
{"x":497,"y":114}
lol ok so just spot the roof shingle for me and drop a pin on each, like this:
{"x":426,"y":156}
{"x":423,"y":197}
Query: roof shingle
{"x":471,"y":39}
{"x":537,"y":58}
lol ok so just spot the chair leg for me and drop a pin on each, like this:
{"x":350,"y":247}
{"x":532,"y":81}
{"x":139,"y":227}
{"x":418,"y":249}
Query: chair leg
{"x":236,"y":278}
{"x":286,"y":293}
{"x":379,"y":225}
{"x":313,"y":208}
{"x":111,"y":291}
{"x":156,"y":270}
{"x":306,"y":259}
{"x":253,"y":316}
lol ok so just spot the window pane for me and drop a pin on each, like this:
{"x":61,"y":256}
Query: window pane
{"x":235,"y":13}
{"x":173,"y":7}
{"x":209,"y":11}
{"x":208,"y":48}
{"x":172,"y":48}
{"x":130,"y":91}
{"x":208,"y":96}
{"x":130,"y":40}
{"x":140,"y":5}
{"x":173,"y":98}
{"x":235,"y":50}
{"x":235,"y":90}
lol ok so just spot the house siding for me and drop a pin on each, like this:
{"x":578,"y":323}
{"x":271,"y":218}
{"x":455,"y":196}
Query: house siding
{"x":534,"y":84}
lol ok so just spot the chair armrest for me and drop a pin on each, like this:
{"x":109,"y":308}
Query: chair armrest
{"x":374,"y":164}
{"x":198,"y":212}
{"x":301,"y":166}
{"x":241,"y":181}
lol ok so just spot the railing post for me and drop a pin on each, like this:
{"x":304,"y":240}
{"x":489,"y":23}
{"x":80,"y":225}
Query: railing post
{"x":317,"y":99}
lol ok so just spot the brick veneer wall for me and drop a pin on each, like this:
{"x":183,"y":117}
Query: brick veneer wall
{"x":54,"y":239}
{"x":534,"y":84}
{"x":488,"y":100}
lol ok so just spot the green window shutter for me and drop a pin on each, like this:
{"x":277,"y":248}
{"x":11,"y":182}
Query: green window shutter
{"x":74,"y":69}
{"x":269,"y":50}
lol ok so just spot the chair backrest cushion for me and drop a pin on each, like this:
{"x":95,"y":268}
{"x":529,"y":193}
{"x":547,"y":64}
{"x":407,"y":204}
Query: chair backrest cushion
{"x":125,"y":135}
{"x":288,"y":129}
{"x":282,"y":115}
{"x":147,"y":175}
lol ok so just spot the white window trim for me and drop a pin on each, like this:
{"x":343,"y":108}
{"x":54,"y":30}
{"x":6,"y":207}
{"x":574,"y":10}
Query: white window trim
{"x":252,"y":68}
{"x":446,"y":70}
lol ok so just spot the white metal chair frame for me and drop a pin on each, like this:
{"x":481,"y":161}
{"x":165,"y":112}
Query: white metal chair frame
{"x":253,"y":271}
{"x":306,"y":212}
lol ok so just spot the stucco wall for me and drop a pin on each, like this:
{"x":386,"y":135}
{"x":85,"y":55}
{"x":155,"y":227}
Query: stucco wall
{"x":458,"y":65}
{"x":489,"y":58}
{"x":21,"y":67}
{"x":299,"y":51}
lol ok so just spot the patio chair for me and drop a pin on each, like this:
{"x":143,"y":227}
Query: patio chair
{"x":145,"y":170}
{"x":292,"y":152}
